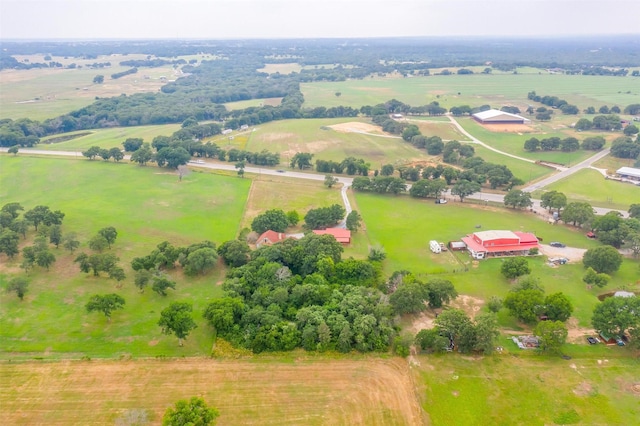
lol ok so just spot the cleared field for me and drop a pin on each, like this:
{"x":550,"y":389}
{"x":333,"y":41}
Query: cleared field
{"x":263,"y":391}
{"x":281,"y":68}
{"x":106,"y":138}
{"x":597,"y":388}
{"x":273,"y":192}
{"x":477,"y":89}
{"x":314,"y":135}
{"x":147,"y":206}
{"x":47,"y":93}
{"x":252,"y":103}
{"x":599,"y":192}
{"x":446,"y":131}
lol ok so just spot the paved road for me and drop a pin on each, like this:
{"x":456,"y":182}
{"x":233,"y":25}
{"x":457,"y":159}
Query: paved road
{"x":345,"y":181}
{"x":563,"y":174}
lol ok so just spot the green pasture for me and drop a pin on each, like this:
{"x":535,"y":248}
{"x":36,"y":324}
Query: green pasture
{"x":314,"y":135}
{"x":527,"y":389}
{"x":252,"y":103}
{"x":513,"y":143}
{"x":106,"y":138}
{"x":474,"y":90}
{"x":146,"y":205}
{"x":39,"y":94}
{"x":590,"y":186}
{"x":444,"y":130}
{"x":404,"y":227}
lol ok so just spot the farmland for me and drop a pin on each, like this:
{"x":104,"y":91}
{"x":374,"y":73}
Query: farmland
{"x":61,"y":365}
{"x":477,"y":89}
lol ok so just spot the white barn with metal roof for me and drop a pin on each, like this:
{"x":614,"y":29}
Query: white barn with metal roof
{"x":494,"y":116}
{"x":628,"y":173}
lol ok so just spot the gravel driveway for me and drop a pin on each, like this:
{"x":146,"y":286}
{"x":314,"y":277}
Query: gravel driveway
{"x":571,"y":253}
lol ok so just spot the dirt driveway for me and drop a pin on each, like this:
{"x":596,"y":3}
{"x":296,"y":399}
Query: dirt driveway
{"x":571,"y":253}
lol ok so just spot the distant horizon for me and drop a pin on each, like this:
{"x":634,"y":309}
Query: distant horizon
{"x":416,"y":37}
{"x":311,"y":19}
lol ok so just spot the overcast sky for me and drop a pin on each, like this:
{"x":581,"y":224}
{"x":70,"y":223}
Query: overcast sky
{"x":215,"y":19}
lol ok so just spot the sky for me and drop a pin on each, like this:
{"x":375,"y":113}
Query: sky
{"x":224,"y":19}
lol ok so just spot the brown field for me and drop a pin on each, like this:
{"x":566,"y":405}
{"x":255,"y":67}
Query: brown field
{"x":306,"y":391}
{"x":513,"y":128}
{"x":358,"y":127}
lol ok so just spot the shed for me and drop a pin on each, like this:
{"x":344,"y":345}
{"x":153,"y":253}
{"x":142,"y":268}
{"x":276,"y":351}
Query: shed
{"x":457,"y":245}
{"x":343,"y":236}
{"x":629,"y":173}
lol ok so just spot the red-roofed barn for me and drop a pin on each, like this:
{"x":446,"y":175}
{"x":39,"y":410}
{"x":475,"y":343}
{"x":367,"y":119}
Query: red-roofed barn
{"x":500,"y":243}
{"x":343,"y":236}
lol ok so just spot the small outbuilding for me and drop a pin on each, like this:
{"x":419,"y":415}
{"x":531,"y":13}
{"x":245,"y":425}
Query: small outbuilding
{"x":457,"y":246}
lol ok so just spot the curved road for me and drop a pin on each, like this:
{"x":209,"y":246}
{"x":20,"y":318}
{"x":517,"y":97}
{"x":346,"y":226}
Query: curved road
{"x":345,"y":181}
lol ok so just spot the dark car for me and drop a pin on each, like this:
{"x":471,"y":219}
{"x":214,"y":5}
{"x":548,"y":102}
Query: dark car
{"x":280,"y":171}
{"x":592,"y":340}
{"x":556,"y":244}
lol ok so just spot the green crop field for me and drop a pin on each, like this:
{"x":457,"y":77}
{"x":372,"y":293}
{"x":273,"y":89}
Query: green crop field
{"x":474,"y":90}
{"x":146,"y":205}
{"x":600,"y":192}
{"x":105,"y":138}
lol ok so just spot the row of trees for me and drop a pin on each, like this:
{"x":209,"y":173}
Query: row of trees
{"x":568,"y":144}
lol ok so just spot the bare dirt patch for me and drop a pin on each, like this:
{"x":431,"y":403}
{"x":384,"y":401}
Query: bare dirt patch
{"x":509,"y":128}
{"x":306,"y":391}
{"x":355,"y":126}
{"x":583,"y":389}
{"x":577,"y":334}
{"x":471,"y":305}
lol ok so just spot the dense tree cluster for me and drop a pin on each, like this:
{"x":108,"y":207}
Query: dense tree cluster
{"x":300,"y":293}
{"x":614,"y":230}
{"x":567,"y":144}
{"x":454,"y":329}
{"x":554,"y":102}
{"x":379,"y":184}
{"x":324,"y":217}
{"x":350,"y":165}
{"x":527,"y":302}
{"x":198,"y":258}
{"x":121,"y":74}
{"x":625,"y":147}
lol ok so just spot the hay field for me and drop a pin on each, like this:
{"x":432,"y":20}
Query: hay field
{"x":263,"y":391}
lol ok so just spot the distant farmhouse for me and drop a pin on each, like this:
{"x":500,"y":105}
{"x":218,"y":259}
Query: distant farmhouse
{"x":494,"y":116}
{"x":629,"y":173}
{"x":499,"y":243}
{"x":269,"y":238}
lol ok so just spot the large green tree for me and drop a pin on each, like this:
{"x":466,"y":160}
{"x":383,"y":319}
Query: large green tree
{"x":234,"y":252}
{"x":441,"y":292}
{"x":105,"y":303}
{"x":176,"y":319}
{"x":410,"y":296}
{"x":518,"y":199}
{"x":515,"y":267}
{"x":578,"y":213}
{"x":353,"y":221}
{"x":194,"y":412}
{"x":464,"y":188}
{"x":525,"y":305}
{"x":274,"y":220}
{"x":553,"y":200}
{"x":110,"y":234}
{"x":9,"y":243}
{"x":552,"y":335}
{"x":558,"y":307}
{"x":603,"y":259}
{"x":616,"y":315}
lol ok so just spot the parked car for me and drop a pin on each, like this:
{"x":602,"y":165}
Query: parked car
{"x":592,"y":340}
{"x":619,"y":342}
{"x":280,"y":171}
{"x":441,"y":201}
{"x":556,"y":244}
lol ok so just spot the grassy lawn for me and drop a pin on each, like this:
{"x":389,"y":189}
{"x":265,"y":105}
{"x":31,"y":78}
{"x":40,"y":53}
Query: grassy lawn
{"x":445,"y":130}
{"x":107,"y":138}
{"x":527,"y":389}
{"x":404,"y":227}
{"x":600,"y":192}
{"x":496,"y":90}
{"x":146,"y":205}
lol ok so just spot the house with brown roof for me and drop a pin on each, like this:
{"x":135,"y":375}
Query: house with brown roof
{"x":270,"y":237}
{"x":343,"y":236}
